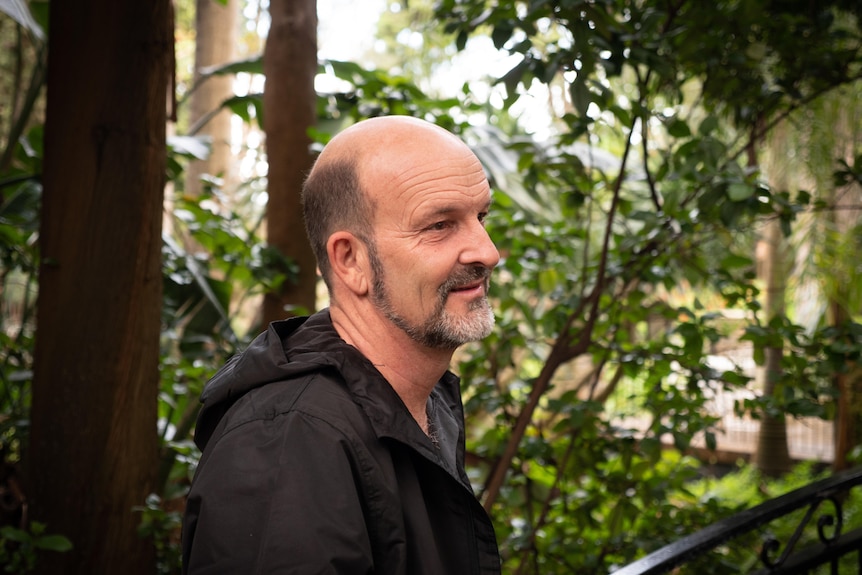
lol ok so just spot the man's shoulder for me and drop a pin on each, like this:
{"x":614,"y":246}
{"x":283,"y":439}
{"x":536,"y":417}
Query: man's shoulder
{"x":320,"y":393}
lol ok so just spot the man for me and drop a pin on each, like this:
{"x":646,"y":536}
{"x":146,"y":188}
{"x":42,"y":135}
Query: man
{"x":335,"y":443}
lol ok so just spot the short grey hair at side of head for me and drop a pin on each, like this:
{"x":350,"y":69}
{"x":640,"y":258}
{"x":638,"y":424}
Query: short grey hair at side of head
{"x":333,"y":200}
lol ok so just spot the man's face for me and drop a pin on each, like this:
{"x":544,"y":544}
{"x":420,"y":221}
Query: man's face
{"x":431,"y":257}
{"x":441,"y":327}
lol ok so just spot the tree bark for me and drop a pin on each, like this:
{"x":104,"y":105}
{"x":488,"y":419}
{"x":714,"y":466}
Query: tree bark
{"x":845,"y":221}
{"x":846,"y":435}
{"x":93,"y":447}
{"x":289,"y":101}
{"x":772,"y":456}
{"x":216,"y":37}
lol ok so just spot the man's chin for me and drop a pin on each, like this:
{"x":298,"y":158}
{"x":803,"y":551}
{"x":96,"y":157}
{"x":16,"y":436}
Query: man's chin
{"x":475,"y":325}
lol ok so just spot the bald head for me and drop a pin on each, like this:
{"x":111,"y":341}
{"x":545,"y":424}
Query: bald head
{"x":355,"y":170}
{"x":384,"y":138}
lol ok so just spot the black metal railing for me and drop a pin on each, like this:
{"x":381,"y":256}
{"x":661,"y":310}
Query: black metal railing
{"x":819,"y":541}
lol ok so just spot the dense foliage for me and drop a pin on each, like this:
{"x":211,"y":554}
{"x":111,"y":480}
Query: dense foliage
{"x":599,"y":254}
{"x":625,"y":235}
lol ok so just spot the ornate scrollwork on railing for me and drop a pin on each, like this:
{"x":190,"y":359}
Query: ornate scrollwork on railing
{"x":772,"y":545}
{"x":832,"y":543}
{"x":835,"y":521}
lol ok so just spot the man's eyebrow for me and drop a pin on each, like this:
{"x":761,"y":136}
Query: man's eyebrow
{"x":450,"y":209}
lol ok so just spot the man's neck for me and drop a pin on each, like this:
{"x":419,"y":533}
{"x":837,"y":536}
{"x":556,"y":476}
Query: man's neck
{"x":411,"y":368}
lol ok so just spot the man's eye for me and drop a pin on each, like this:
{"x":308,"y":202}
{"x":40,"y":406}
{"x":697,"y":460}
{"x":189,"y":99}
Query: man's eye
{"x":439,"y":226}
{"x":483,"y":216}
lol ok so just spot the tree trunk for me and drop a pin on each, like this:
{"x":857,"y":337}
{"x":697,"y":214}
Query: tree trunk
{"x":772,"y":456}
{"x":217,"y":32}
{"x":848,"y":383}
{"x":843,"y":224}
{"x":847,"y":405}
{"x":93,"y":446}
{"x":289,"y":101}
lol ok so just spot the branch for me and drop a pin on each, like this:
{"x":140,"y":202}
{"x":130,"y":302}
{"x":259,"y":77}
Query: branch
{"x":760,"y":130}
{"x":168,"y":454}
{"x":563,"y":349}
{"x":546,"y":506}
{"x":19,"y":122}
{"x":642,"y":82}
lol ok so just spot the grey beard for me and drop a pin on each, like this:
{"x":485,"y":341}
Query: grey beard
{"x":441,"y":330}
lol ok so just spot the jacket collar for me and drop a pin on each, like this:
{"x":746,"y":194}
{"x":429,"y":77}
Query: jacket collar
{"x":316,"y":341}
{"x":297,"y":347}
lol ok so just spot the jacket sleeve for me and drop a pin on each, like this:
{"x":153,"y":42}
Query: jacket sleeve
{"x":277,"y":495}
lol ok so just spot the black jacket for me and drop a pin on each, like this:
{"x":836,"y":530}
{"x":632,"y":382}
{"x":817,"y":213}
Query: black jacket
{"x":312,"y":464}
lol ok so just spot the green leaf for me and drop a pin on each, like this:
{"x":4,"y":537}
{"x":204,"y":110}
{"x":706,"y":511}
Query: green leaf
{"x":736,"y":261}
{"x":253,"y":65}
{"x":581,"y":95}
{"x":708,"y":126}
{"x":53,"y":543}
{"x":711,"y":443}
{"x":10,"y":533}
{"x":461,"y":40}
{"x":738,"y":192}
{"x":678,"y":129}
{"x":548,"y":279}
{"x":242,"y":105}
{"x":501,"y":34}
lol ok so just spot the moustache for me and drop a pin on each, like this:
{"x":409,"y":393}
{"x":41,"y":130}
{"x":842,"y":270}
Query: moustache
{"x":465,"y":277}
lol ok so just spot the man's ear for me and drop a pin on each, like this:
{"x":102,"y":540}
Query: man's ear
{"x":349,"y":261}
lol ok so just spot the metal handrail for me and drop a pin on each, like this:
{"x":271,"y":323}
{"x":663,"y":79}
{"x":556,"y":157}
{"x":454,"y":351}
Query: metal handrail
{"x":829,"y":526}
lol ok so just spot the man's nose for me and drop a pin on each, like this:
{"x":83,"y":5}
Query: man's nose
{"x":480,"y":249}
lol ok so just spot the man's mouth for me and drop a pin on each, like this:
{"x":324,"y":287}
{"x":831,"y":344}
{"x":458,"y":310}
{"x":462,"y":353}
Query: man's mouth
{"x":475,"y":288}
{"x":471,"y":282}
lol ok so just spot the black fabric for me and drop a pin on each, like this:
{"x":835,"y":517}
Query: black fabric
{"x":312,"y":465}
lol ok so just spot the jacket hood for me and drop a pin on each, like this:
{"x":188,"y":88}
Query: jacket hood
{"x":266,"y":360}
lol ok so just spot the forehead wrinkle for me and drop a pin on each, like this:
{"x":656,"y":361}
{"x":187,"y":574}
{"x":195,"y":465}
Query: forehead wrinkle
{"x":416,"y":178}
{"x":410,"y":176}
{"x":446,"y":204}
